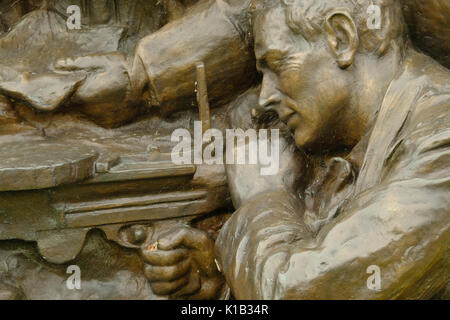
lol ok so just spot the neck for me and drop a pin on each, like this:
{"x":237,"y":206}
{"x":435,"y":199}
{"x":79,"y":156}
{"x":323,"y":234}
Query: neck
{"x":372,"y":75}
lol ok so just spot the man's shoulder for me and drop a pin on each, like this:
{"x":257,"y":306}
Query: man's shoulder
{"x":429,"y":126}
{"x":430,"y":111}
{"x":423,"y":145}
{"x":426,"y":126}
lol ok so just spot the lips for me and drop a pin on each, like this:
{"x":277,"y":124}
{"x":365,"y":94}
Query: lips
{"x":285,"y":113}
{"x":288,"y":116}
{"x":292,"y":121}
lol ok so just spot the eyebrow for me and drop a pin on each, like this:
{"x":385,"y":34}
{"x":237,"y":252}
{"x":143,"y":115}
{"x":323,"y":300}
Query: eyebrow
{"x":277,"y":54}
{"x":272,"y":53}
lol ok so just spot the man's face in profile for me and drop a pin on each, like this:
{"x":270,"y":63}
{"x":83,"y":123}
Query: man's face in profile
{"x":301,"y":80}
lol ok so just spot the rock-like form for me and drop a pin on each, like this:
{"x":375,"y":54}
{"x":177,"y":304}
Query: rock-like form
{"x":46,"y":165}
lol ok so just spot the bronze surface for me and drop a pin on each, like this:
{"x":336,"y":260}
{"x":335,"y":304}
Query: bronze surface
{"x":87,"y":178}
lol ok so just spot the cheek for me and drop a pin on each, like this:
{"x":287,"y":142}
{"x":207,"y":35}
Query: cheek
{"x":302,"y":81}
{"x":291,"y":82}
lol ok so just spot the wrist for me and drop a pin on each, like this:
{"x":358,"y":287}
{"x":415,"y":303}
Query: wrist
{"x":141,"y":89}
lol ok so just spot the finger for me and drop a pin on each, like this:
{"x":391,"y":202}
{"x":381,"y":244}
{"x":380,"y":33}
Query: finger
{"x":191,"y":288}
{"x":188,"y":237}
{"x":165,"y":288}
{"x":164,"y":258}
{"x":167,"y":273}
{"x":172,"y":239}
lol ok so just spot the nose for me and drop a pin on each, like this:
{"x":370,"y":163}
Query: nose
{"x":270,"y":98}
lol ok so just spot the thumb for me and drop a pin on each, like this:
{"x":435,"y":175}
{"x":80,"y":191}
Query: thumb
{"x":172,"y":240}
{"x":188,"y":237}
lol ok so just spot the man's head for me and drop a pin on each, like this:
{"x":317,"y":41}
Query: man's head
{"x":306,"y":50}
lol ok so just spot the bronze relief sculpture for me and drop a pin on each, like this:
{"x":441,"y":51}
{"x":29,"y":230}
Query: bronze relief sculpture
{"x":359,"y":91}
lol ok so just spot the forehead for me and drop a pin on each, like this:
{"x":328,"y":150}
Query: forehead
{"x":272,"y":33}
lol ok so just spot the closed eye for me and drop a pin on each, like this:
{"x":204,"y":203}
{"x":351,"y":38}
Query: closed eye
{"x":272,"y":60}
{"x":275,"y":65}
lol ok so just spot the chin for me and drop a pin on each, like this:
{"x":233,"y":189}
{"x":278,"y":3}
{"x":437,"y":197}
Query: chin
{"x":311,"y":140}
{"x":304,"y":138}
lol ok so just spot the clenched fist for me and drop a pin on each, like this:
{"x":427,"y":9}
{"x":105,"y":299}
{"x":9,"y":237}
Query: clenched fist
{"x":180,"y":263}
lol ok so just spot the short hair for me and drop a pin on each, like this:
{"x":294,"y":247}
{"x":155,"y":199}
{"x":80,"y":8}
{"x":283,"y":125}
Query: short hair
{"x":308,"y":17}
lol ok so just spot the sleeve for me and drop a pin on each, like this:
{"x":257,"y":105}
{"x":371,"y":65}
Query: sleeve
{"x":215,"y":32}
{"x":401,"y":226}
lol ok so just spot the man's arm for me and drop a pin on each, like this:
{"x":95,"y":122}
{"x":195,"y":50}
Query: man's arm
{"x":162,"y":69}
{"x":401,"y":226}
{"x":161,"y":72}
{"x":215,"y":32}
{"x":245,"y":182}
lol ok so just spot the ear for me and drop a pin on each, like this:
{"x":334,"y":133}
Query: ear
{"x":342,"y":37}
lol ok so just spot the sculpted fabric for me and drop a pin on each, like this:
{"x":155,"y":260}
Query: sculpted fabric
{"x":220,"y":149}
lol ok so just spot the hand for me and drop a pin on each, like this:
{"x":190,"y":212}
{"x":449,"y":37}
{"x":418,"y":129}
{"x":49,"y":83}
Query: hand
{"x":246,"y":181}
{"x":180,"y":263}
{"x":107,"y":75}
{"x":105,"y":94}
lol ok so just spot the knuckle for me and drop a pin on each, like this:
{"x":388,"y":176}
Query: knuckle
{"x":184,"y":231}
{"x":165,"y":288}
{"x":172,"y":257}
{"x":181,"y":268}
{"x":148,"y":271}
{"x":159,"y":288}
{"x":186,"y":263}
{"x":167,"y":273}
{"x":191,"y":288}
{"x":150,"y":256}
